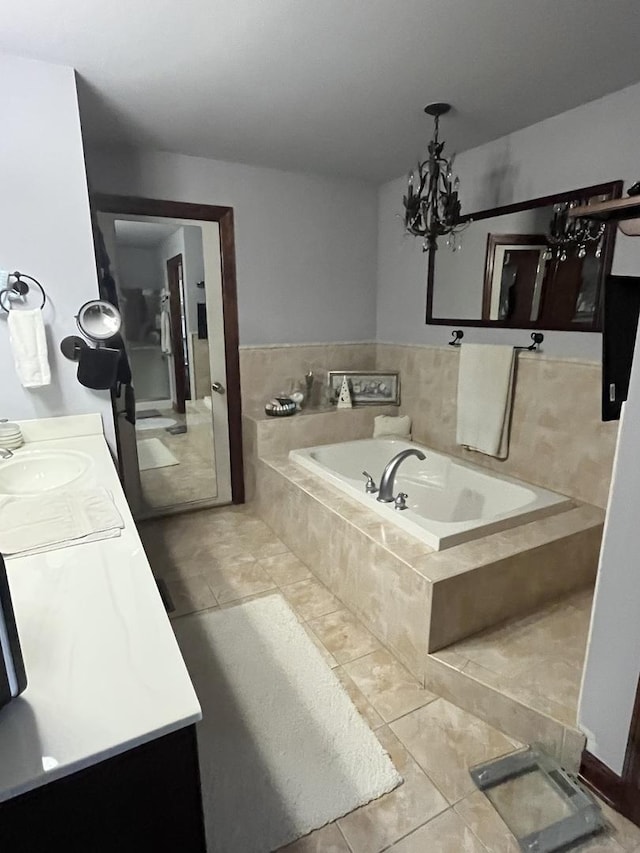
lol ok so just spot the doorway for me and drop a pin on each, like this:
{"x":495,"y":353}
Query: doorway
{"x":174,"y":271}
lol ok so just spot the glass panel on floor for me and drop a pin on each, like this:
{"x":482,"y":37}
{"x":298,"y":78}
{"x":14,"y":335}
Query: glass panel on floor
{"x":542,"y":805}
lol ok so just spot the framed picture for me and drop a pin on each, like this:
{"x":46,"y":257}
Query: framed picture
{"x":368,"y":387}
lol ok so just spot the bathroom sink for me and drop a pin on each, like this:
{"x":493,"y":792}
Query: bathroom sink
{"x":32,"y":472}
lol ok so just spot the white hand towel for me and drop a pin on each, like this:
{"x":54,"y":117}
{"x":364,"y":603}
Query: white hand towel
{"x":30,"y":525}
{"x":29,"y":346}
{"x":485,"y":391}
{"x":386,"y":425}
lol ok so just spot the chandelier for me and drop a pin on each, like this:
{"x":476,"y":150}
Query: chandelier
{"x":431,"y":205}
{"x":568,"y":234}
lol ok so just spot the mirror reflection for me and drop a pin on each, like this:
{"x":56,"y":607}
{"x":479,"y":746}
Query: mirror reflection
{"x":159,"y":269}
{"x":528,"y":265}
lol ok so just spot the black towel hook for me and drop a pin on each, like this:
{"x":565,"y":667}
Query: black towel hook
{"x":537,"y":338}
{"x":457,"y":336}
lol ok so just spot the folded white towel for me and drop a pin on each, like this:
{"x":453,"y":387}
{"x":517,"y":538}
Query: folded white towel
{"x":386,"y":425}
{"x":29,"y":346}
{"x":55,"y":520}
{"x":485,"y":390}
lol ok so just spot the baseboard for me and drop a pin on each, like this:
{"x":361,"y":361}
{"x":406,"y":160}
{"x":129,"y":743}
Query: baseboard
{"x":602,"y":781}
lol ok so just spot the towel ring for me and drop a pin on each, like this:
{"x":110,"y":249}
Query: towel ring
{"x":20,"y":288}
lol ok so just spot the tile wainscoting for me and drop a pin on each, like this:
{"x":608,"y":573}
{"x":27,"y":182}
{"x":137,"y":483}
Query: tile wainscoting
{"x":557,"y":438}
{"x":269,"y":370}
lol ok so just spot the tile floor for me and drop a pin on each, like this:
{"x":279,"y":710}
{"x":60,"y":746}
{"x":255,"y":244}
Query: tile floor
{"x":536,"y":660}
{"x":195,"y":477}
{"x":215,"y":558}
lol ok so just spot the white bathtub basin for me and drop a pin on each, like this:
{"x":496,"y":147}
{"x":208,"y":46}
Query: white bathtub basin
{"x":32,"y":472}
{"x":449,"y":501}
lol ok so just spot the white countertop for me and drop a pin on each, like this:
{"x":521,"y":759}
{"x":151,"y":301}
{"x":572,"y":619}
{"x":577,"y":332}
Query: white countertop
{"x":104,"y":670}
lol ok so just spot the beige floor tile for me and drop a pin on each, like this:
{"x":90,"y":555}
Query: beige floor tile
{"x":390,"y":688}
{"x":446,"y":833}
{"x":344,"y":636}
{"x":328,"y":657}
{"x":190,"y":595}
{"x":365,"y":708}
{"x":326,"y":840}
{"x":285,"y":568}
{"x":199,"y":558}
{"x":446,"y":741}
{"x":238,"y":579}
{"x":601,"y":843}
{"x":486,"y":824}
{"x":246,"y":598}
{"x":377,"y":825}
{"x":623,"y":831}
{"x":268,"y":549}
{"x":309,"y":598}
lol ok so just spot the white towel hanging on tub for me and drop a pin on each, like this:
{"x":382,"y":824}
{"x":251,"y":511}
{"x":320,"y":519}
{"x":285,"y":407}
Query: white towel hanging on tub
{"x":29,"y":347}
{"x":485,"y":392}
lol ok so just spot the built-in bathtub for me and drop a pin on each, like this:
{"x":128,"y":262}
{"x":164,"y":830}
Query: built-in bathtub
{"x":449,"y":501}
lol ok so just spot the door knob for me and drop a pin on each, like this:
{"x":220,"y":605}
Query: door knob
{"x":217,"y":387}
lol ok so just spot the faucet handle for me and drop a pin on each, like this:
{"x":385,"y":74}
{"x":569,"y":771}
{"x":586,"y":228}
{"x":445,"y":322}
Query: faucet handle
{"x":401,"y":501}
{"x":370,"y":487}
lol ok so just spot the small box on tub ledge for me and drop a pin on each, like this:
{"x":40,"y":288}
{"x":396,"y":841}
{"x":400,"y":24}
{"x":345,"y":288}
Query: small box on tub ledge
{"x":367,"y":387}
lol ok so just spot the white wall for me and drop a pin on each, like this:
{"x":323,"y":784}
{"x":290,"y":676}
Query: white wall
{"x":591,"y":144}
{"x":305,"y":246}
{"x":612,"y":665}
{"x":45,"y":228}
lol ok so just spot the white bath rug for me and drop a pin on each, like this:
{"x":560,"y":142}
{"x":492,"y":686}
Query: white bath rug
{"x":154,"y":423}
{"x":153,"y":454}
{"x":282,"y":749}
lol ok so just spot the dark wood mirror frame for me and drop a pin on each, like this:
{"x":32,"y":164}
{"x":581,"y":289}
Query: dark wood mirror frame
{"x":612,"y":188}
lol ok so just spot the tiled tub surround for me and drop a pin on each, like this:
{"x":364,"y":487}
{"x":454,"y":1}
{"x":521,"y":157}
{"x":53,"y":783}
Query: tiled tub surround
{"x":448,"y":501}
{"x":524,"y":676}
{"x":263,"y":435}
{"x":557,"y":438}
{"x":416,"y":600}
{"x":269,"y":370}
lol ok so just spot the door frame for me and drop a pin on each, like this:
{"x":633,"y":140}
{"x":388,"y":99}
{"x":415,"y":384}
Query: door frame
{"x":223,"y":215}
{"x":175,"y":280}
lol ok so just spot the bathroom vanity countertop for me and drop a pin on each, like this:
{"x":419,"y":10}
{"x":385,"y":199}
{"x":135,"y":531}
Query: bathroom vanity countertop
{"x":105,"y":673}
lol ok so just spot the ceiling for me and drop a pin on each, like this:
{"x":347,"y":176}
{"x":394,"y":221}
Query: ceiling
{"x":326,"y":86}
{"x":142,"y":235}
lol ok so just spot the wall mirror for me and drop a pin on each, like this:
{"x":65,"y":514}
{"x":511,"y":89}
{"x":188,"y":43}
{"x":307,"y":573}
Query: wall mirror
{"x":525,"y":266}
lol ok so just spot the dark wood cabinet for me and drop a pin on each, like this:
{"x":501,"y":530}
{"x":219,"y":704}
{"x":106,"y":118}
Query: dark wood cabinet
{"x":147,"y":799}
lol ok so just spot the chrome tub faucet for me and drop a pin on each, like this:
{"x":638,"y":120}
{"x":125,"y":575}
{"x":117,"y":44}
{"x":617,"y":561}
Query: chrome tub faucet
{"x":385,"y":494}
